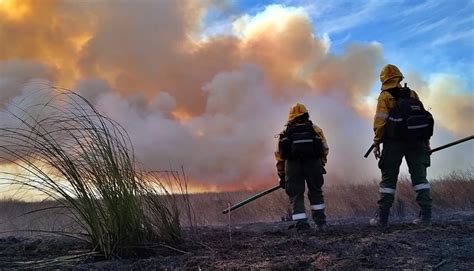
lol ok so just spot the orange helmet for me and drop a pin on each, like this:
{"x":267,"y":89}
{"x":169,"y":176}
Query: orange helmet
{"x":296,"y":111}
{"x":390,"y":76}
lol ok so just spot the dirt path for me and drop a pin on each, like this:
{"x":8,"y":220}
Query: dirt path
{"x":447,"y":245}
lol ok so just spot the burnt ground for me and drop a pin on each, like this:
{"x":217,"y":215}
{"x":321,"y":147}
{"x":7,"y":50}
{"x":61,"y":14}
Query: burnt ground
{"x":349,"y":244}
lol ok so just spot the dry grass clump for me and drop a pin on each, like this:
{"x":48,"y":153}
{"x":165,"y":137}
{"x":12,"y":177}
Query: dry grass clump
{"x":84,"y":161}
{"x":19,"y":217}
{"x":454,"y":192}
{"x":451,"y":193}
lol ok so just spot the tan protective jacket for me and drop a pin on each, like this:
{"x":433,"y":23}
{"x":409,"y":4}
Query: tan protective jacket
{"x":281,"y":162}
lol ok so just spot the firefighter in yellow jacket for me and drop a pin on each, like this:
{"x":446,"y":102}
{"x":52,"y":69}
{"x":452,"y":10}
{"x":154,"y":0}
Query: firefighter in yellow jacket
{"x":395,"y":147}
{"x":301,"y":155}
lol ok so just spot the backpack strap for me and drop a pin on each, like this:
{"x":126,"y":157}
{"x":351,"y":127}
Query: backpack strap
{"x":397,"y":93}
{"x":295,"y":126}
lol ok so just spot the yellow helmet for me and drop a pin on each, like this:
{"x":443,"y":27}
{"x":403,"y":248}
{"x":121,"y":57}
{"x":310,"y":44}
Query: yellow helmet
{"x":390,"y":76}
{"x":296,"y":111}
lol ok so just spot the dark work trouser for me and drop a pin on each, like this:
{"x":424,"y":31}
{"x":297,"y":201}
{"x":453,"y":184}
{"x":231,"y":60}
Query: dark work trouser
{"x":418,"y":159}
{"x":297,"y":172}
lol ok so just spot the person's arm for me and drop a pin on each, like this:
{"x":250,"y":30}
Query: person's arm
{"x":381,"y":115}
{"x":280,"y":165}
{"x":380,"y":119}
{"x":320,"y":133}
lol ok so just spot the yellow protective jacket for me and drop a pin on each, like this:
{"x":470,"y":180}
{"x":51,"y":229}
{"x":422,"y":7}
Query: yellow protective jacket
{"x":281,"y":162}
{"x":385,"y":103}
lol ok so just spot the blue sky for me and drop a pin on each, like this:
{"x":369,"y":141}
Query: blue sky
{"x":425,"y":36}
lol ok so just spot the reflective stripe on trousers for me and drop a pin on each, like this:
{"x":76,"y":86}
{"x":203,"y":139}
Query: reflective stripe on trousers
{"x":387,"y":190}
{"x":298,"y":216}
{"x":317,"y":207}
{"x":421,"y":186}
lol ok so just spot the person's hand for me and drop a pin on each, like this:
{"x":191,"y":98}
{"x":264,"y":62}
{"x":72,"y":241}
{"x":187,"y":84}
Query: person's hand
{"x":377,"y":151}
{"x":323,"y":163}
{"x":282,"y":180}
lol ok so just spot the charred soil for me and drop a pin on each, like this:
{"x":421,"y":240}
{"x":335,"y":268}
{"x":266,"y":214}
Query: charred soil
{"x":447,"y":244}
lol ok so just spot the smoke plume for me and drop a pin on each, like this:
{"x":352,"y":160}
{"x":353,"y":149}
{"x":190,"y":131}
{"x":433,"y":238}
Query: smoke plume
{"x":212,"y":104}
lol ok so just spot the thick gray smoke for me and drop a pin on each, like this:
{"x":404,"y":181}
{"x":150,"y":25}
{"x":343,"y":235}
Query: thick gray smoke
{"x":214,"y":104}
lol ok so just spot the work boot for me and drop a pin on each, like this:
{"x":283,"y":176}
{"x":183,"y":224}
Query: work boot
{"x":302,"y":225}
{"x":322,"y":227}
{"x":424,"y":218}
{"x":319,"y":217}
{"x":381,"y":218}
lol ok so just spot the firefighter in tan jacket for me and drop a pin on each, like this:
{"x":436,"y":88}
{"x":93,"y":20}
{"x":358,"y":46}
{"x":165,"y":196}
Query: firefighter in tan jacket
{"x":416,"y":152}
{"x":301,"y":155}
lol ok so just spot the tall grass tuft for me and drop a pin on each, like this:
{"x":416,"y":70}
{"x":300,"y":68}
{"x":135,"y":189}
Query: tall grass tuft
{"x":84,"y":161}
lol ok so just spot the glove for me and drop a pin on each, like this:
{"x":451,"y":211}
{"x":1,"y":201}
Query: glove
{"x":282,"y":180}
{"x":377,"y":151}
{"x":428,"y":146}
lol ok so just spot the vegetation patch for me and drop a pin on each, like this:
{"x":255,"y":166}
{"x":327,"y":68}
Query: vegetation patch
{"x":84,"y":161}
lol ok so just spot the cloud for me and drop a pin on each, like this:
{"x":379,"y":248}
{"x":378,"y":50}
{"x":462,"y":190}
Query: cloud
{"x":353,"y":73}
{"x":212,"y":105}
{"x":15,"y":73}
{"x":350,"y":17}
{"x":449,"y":100}
{"x":456,"y":36}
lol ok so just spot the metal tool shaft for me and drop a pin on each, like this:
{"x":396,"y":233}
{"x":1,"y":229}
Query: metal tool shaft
{"x":369,"y":151}
{"x":432,"y":150}
{"x":242,"y":203}
{"x":263,"y":193}
{"x":452,"y":144}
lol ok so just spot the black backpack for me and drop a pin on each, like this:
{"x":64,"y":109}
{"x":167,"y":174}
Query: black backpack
{"x":300,"y":141}
{"x":408,"y":120}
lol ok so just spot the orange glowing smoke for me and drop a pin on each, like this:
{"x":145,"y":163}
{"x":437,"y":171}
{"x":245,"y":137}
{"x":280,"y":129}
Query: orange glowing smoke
{"x":181,"y":114}
{"x":47,"y":32}
{"x":14,"y":10}
{"x":251,"y":184}
{"x":235,"y":88}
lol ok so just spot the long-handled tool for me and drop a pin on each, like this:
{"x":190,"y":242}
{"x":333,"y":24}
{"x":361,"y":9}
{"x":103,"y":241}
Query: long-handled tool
{"x":252,"y":198}
{"x":452,"y":144}
{"x":263,"y":193}
{"x":432,"y":150}
{"x":369,"y":151}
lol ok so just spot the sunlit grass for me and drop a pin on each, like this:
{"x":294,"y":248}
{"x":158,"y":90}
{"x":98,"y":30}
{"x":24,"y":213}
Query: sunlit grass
{"x":84,"y":161}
